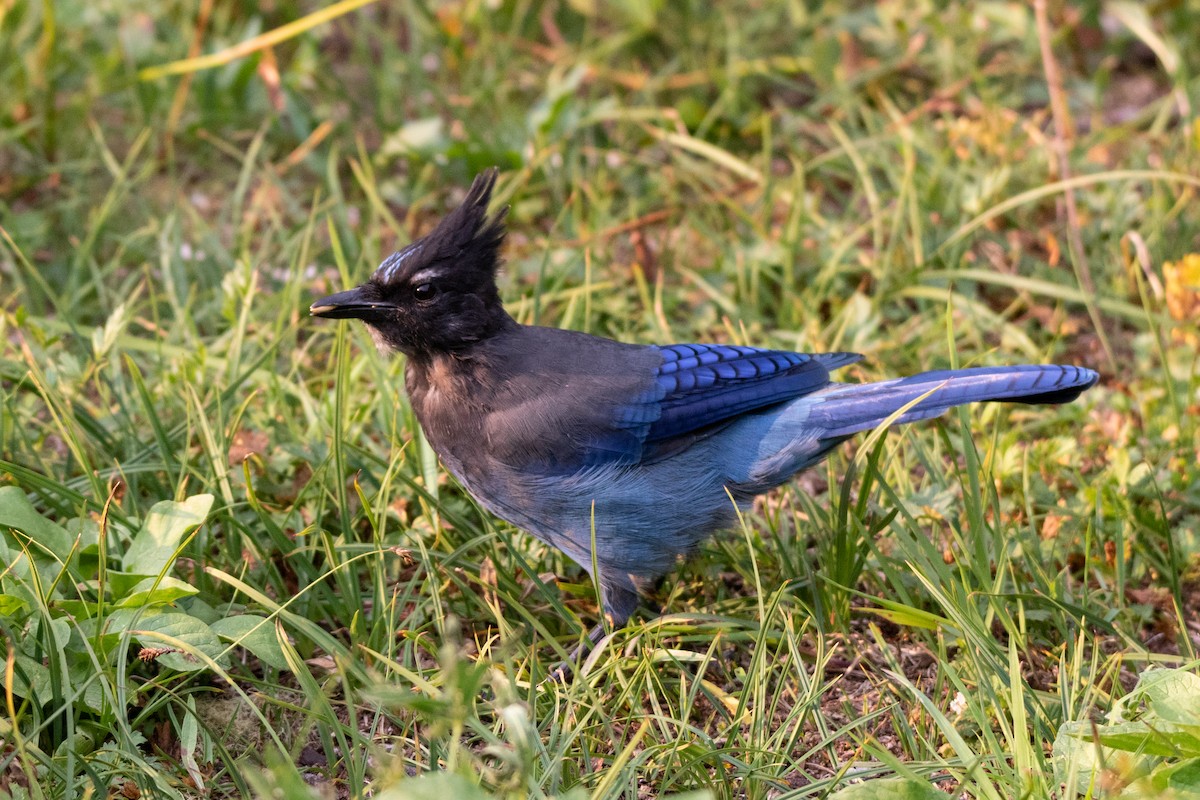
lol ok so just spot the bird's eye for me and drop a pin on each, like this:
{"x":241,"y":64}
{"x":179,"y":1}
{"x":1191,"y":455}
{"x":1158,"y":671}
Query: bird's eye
{"x":424,"y":291}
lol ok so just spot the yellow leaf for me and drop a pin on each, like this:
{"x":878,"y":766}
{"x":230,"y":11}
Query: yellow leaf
{"x":1182,"y":289}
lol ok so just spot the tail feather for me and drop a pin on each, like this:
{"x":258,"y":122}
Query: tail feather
{"x":845,"y":409}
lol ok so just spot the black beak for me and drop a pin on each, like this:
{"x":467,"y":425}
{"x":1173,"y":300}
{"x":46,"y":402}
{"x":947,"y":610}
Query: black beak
{"x":353,"y":304}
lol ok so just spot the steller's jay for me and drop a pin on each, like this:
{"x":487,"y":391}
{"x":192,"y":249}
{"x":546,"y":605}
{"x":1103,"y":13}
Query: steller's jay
{"x":571,"y":436}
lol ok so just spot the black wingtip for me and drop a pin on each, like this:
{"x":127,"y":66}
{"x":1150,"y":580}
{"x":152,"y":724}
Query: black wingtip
{"x":1075,"y":381}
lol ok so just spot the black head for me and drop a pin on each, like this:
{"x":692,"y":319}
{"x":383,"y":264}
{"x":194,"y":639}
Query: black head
{"x":439,"y":293}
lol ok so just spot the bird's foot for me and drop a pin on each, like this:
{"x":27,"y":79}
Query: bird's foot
{"x":563,"y":670}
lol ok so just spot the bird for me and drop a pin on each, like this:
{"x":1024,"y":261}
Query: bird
{"x":626,"y":457}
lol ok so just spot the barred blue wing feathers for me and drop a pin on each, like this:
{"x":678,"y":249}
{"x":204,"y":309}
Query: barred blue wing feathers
{"x":706,"y":384}
{"x":699,"y":385}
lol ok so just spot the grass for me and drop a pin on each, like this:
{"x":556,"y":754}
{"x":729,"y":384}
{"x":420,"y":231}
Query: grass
{"x":936,"y":604}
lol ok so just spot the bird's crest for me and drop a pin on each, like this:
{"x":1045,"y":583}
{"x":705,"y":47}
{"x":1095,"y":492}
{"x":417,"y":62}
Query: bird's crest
{"x":466,"y":241}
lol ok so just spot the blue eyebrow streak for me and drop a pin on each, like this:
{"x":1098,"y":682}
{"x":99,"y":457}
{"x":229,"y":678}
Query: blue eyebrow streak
{"x":387,"y":270}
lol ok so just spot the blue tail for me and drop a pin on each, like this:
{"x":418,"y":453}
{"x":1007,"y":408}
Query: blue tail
{"x":845,"y":409}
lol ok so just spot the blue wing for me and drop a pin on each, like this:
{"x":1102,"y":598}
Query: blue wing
{"x":700,"y":385}
{"x":704,"y":384}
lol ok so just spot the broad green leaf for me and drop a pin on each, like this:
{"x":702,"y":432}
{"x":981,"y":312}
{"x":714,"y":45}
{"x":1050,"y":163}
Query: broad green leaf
{"x":1151,"y":738}
{"x":60,"y":629}
{"x":177,"y":630}
{"x":256,"y":634}
{"x":1077,"y":754}
{"x":196,"y":607}
{"x":117,"y":622}
{"x":79,"y":609}
{"x":168,"y":522}
{"x":31,"y":679}
{"x":120,"y":620}
{"x":81,"y":742}
{"x":18,"y":513}
{"x":435,"y":786}
{"x":119,"y":584}
{"x":87,"y":531}
{"x":890,"y":789}
{"x":1171,"y":695}
{"x":35,"y":640}
{"x":156,"y":592}
{"x":16,"y":570}
{"x":1178,"y":781}
{"x":10,"y":606}
{"x":83,"y":674}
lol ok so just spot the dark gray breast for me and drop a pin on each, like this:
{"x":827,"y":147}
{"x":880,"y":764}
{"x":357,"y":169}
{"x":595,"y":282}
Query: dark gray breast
{"x":533,"y":399}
